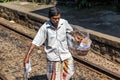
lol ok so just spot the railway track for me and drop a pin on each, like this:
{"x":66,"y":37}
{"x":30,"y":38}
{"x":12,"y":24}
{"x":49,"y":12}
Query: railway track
{"x":97,"y":68}
{"x":76,"y":58}
{"x":2,"y":77}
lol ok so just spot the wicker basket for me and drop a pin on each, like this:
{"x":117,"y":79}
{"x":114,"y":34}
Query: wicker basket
{"x":82,"y":53}
{"x":83,"y":47}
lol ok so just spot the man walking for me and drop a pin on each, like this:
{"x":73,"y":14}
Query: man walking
{"x":53,"y":33}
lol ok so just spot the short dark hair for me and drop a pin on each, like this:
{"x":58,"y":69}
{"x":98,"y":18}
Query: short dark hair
{"x":53,"y":11}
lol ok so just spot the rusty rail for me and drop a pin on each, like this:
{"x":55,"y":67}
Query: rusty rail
{"x":98,"y":68}
{"x":2,"y":77}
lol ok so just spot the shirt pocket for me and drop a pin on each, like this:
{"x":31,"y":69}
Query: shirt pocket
{"x":62,"y":36}
{"x":51,"y":38}
{"x":63,"y":42}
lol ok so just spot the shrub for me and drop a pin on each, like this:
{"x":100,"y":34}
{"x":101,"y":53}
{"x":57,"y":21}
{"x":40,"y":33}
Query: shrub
{"x":5,"y":0}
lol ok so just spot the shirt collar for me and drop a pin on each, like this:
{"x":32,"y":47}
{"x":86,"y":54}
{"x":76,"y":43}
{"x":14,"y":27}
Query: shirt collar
{"x":60,"y":23}
{"x":49,"y":24}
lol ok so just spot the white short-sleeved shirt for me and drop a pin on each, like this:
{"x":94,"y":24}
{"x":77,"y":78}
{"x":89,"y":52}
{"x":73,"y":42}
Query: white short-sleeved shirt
{"x":55,"y":40}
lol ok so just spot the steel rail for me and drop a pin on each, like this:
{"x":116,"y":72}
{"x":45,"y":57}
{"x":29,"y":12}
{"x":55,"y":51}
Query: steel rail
{"x":83,"y":61}
{"x":15,"y":30}
{"x":2,"y":77}
{"x":97,"y":67}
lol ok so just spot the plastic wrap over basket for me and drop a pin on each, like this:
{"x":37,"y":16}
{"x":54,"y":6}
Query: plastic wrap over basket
{"x":84,"y":45}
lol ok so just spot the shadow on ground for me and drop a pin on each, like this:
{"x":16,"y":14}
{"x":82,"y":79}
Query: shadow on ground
{"x":44,"y":77}
{"x":38,"y":77}
{"x":43,"y":12}
{"x":104,"y":21}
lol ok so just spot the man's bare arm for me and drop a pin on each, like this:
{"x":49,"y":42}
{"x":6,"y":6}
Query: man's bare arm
{"x":26,"y":59}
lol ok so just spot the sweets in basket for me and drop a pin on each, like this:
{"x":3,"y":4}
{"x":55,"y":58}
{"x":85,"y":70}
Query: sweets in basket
{"x":82,"y":46}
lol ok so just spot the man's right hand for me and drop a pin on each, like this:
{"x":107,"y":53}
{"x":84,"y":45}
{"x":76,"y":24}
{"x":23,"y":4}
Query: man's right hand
{"x":78,"y":38}
{"x":26,"y":60}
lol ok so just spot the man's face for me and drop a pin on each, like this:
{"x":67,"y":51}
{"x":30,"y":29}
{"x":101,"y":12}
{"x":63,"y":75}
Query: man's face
{"x":55,"y":20}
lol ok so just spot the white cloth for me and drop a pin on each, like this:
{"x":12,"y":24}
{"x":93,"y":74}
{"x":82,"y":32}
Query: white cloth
{"x":27,"y":70}
{"x":85,"y":44}
{"x":55,"y":40}
{"x":28,"y":67}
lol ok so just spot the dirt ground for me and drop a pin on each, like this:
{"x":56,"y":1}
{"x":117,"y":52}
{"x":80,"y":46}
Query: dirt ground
{"x":105,"y":21}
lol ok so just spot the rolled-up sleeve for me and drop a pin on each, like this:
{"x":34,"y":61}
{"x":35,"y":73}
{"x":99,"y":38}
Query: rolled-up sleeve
{"x":40,"y":37}
{"x":68,"y":27}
